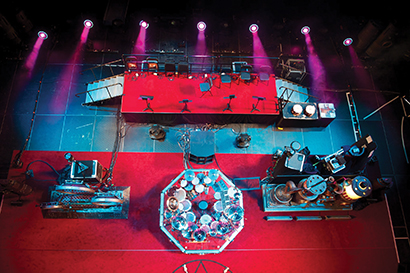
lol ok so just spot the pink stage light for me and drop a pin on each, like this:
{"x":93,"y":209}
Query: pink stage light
{"x":260,"y":57}
{"x":143,"y":24}
{"x":305,"y":30}
{"x":42,"y":35}
{"x":348,"y":42}
{"x":317,"y":70}
{"x":253,"y":28}
{"x":88,"y":23}
{"x":201,"y":26}
{"x":32,"y":58}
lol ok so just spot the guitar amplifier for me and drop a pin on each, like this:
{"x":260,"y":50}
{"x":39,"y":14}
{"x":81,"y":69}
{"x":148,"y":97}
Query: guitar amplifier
{"x":88,"y":170}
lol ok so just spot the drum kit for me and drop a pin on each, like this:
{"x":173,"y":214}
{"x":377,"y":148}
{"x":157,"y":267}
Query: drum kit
{"x":206,"y":216}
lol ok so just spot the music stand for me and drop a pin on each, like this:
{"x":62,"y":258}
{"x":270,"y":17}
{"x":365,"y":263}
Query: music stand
{"x":255,"y":107}
{"x":228,"y":106}
{"x":147,"y":98}
{"x":186,"y":105}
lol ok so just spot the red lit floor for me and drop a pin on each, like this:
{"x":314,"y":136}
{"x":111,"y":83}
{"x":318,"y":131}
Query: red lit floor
{"x":29,"y":243}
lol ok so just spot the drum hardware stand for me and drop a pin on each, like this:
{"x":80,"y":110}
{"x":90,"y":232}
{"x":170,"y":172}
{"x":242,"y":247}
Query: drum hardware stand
{"x":147,"y":98}
{"x":185,"y":106}
{"x":255,"y":107}
{"x":228,"y":106}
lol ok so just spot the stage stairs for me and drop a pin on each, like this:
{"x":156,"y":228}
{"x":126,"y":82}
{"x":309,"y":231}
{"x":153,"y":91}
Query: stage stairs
{"x":288,"y":91}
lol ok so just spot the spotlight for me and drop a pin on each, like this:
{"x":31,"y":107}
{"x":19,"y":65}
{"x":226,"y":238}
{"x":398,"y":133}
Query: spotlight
{"x":88,"y":23}
{"x":156,"y":132}
{"x":144,"y":24}
{"x":201,"y":26}
{"x":305,"y":30}
{"x":42,"y":35}
{"x":253,"y":28}
{"x":243,"y":140}
{"x":347,"y":41}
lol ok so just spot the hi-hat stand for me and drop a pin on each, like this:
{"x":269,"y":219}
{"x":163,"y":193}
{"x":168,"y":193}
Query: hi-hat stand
{"x":228,"y":106}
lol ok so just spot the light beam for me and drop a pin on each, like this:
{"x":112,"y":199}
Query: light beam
{"x":316,"y":68}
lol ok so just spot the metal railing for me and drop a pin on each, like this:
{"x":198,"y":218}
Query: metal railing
{"x":110,"y":64}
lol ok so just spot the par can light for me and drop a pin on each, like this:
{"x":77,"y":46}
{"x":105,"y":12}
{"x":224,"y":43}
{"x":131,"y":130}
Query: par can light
{"x":253,"y":28}
{"x":42,"y":35}
{"x":88,"y":23}
{"x":348,"y":41}
{"x":305,"y":30}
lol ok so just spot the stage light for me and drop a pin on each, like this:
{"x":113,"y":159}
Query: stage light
{"x":88,"y":23}
{"x":201,"y":26}
{"x":305,"y":30}
{"x":348,"y":42}
{"x":144,"y":24}
{"x":42,"y":35}
{"x":253,"y":28}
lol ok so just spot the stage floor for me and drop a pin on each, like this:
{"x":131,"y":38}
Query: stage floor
{"x":169,"y":91}
{"x":30,"y":243}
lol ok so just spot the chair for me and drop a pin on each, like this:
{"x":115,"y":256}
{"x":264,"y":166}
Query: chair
{"x":206,"y":86}
{"x":169,"y":67}
{"x":225,"y":76}
{"x":264,"y":74}
{"x":183,"y":67}
{"x":150,"y":65}
{"x":246,"y":72}
{"x":131,"y":63}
